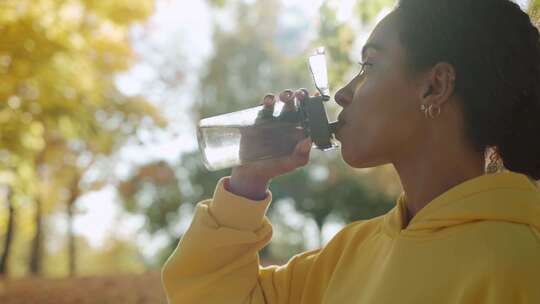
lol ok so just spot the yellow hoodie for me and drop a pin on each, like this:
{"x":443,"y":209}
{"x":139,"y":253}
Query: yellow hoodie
{"x":478,"y":242}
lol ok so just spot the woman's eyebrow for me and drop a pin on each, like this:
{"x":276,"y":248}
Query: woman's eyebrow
{"x":371,"y":45}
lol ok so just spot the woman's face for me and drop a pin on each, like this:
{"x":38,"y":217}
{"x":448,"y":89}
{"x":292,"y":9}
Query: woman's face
{"x":381,"y":106}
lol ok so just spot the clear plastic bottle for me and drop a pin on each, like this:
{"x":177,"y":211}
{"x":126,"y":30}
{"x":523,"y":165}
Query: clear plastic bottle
{"x":259,"y":133}
{"x":249,"y":135}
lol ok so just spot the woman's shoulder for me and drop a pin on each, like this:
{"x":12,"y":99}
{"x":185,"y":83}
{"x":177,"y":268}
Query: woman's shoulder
{"x":508,"y":246}
{"x":345,"y":240}
{"x":355,"y":233}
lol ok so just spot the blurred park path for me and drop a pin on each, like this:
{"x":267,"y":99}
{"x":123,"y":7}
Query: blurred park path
{"x":124,"y":289}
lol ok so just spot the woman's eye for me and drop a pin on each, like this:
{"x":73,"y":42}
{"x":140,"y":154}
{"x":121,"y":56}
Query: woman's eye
{"x":364,"y":67}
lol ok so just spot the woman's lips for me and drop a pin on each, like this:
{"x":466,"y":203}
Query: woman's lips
{"x":341,"y":120}
{"x":340,"y":124}
{"x":336,"y":126}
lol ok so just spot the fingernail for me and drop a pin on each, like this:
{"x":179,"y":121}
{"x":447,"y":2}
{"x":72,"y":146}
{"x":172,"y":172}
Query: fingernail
{"x":285,"y":96}
{"x":268,"y":99}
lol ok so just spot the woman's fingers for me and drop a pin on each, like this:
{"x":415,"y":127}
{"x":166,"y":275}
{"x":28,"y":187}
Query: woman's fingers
{"x":300,"y":95}
{"x":287,"y":97}
{"x":269,"y":101}
{"x":267,"y":109}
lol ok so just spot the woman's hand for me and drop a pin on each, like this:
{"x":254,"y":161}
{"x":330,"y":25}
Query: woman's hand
{"x":251,"y":179}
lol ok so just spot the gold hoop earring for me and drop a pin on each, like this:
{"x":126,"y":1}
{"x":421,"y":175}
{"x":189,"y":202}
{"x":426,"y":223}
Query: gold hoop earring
{"x":429,"y":110}
{"x":423,"y":108}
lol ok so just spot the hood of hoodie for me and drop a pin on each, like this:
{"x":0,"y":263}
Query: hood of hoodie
{"x":502,"y":196}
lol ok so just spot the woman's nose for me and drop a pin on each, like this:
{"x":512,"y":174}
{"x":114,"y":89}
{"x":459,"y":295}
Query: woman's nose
{"x":343,"y":97}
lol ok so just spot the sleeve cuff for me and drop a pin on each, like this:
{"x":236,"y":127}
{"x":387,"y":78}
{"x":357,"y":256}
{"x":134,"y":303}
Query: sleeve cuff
{"x":237,"y":212}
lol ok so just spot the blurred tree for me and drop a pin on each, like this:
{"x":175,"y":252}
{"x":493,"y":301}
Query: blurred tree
{"x":63,"y":111}
{"x":329,"y":187}
{"x":534,"y":9}
{"x":218,"y":3}
{"x":18,"y":182}
{"x":367,"y":10}
{"x":288,"y":231}
{"x":337,"y":37}
{"x":9,"y":231}
{"x":153,"y":191}
{"x":246,"y":64}
{"x":197,"y":181}
{"x":157,"y":191}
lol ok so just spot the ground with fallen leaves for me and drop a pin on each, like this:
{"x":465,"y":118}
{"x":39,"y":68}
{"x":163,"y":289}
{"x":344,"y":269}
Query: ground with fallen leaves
{"x":120,"y":289}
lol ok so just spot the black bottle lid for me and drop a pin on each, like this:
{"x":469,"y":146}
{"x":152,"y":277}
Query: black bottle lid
{"x":315,"y":120}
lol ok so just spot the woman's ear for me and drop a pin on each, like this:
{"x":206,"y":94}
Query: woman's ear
{"x":439,"y":84}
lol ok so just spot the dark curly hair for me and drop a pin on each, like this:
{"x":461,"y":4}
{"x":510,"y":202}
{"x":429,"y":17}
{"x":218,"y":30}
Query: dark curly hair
{"x":495,"y":50}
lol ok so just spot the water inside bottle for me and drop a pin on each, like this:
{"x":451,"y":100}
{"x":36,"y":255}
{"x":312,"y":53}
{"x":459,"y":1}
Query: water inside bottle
{"x":224,"y":146}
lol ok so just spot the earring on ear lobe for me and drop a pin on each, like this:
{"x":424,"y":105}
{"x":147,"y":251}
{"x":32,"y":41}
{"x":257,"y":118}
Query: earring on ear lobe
{"x":423,"y":107}
{"x":430,"y":111}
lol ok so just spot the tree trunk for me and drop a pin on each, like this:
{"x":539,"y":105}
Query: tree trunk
{"x":72,"y":254}
{"x":319,"y":220}
{"x":36,"y":252}
{"x":320,"y":236}
{"x":72,"y":248}
{"x":9,"y":234}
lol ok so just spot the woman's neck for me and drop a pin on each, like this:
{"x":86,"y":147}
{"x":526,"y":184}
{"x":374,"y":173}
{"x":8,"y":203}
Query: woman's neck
{"x":425,"y":178}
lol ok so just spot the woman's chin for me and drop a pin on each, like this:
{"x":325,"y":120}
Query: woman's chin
{"x":348,"y":156}
{"x":358,"y":159}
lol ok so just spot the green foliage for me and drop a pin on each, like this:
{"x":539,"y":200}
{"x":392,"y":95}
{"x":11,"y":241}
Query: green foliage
{"x":534,"y":10}
{"x":367,"y":10}
{"x":58,"y":59}
{"x":337,"y":37}
{"x":198,"y":181}
{"x":218,"y":3}
{"x":287,"y":238}
{"x":153,"y":191}
{"x":337,"y":192}
{"x":246,"y":64}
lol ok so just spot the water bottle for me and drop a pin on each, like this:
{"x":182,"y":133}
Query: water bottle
{"x":260,"y":133}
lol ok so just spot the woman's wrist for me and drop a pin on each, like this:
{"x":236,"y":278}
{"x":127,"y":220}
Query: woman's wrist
{"x":248,"y":186}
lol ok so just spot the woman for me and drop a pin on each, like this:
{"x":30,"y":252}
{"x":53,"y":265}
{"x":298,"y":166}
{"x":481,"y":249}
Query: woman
{"x":441,"y":81}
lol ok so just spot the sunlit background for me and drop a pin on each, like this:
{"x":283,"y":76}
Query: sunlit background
{"x":99,"y":167}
